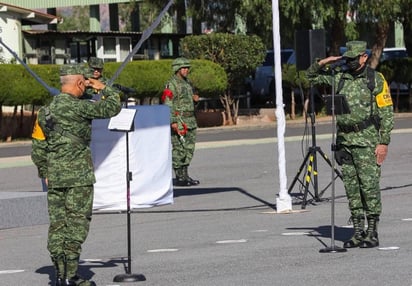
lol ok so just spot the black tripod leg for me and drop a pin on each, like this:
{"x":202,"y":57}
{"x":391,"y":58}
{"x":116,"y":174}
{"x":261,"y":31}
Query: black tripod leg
{"x":327,"y":160}
{"x":295,"y":179}
{"x":338,"y":173}
{"x":309,"y":173}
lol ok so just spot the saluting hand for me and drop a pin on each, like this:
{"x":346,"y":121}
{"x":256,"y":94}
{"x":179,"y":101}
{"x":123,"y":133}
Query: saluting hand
{"x":95,"y":83}
{"x":328,"y":60}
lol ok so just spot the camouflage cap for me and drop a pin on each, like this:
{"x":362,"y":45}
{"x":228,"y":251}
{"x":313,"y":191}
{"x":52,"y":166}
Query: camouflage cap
{"x":179,"y":63}
{"x":75,"y":69}
{"x":96,"y":63}
{"x":354,"y":49}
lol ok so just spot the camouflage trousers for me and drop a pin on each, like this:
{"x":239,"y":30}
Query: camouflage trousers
{"x":183,"y":148}
{"x":361,"y":180}
{"x":70,"y":212}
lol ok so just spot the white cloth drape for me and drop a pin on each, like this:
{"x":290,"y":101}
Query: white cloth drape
{"x":150,"y":161}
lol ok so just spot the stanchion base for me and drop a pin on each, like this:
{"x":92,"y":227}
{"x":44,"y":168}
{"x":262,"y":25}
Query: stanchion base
{"x":333,"y":249}
{"x":129,"y":278}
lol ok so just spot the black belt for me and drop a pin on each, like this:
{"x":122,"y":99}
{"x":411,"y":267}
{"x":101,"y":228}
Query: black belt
{"x":356,"y":127}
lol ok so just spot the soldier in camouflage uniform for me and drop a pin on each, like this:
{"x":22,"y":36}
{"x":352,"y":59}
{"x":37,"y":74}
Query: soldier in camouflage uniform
{"x":179,"y":96}
{"x":61,"y":152}
{"x":363,"y":135}
{"x":96,"y":66}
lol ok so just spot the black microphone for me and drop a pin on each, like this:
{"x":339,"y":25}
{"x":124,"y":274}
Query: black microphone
{"x":124,"y":89}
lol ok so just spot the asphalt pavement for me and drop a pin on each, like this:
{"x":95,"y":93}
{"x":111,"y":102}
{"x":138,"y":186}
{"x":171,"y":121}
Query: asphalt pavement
{"x":226,"y":230}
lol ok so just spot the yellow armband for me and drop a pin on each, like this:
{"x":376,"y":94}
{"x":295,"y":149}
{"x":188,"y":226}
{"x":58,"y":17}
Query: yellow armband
{"x":384,"y":97}
{"x":38,"y":132}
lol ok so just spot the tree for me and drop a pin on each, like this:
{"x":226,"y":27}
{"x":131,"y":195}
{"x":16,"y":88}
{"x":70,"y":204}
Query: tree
{"x":379,"y":17}
{"x":76,"y":19}
{"x":404,"y":15}
{"x":239,"y":55}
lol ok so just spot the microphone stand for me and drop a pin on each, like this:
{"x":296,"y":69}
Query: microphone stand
{"x":333,"y":248}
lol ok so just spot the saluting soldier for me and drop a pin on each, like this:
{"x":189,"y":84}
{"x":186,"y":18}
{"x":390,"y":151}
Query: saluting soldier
{"x":62,"y":154}
{"x":363,"y":135}
{"x":179,"y":96}
{"x":96,"y":66}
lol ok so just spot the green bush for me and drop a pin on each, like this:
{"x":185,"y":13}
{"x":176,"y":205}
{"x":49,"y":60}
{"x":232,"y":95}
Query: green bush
{"x":18,"y":86}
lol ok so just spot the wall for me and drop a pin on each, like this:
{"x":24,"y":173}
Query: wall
{"x":10,"y":33}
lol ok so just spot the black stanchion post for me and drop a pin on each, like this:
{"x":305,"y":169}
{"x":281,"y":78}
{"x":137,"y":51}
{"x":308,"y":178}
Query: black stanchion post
{"x":333,"y":248}
{"x":128,"y":276}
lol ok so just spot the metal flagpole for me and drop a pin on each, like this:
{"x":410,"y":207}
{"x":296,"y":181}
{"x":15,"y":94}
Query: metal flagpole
{"x":283,"y":201}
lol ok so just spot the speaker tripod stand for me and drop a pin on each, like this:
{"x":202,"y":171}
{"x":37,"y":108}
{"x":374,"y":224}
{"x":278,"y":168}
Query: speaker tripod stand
{"x":311,"y":163}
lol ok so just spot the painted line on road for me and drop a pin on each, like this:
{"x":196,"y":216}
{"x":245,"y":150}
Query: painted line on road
{"x":162,"y":250}
{"x":389,"y":248}
{"x":246,"y":142}
{"x":231,"y":241}
{"x":24,"y":161}
{"x":295,"y":233}
{"x":19,"y":161}
{"x":257,"y":141}
{"x":11,"y":271}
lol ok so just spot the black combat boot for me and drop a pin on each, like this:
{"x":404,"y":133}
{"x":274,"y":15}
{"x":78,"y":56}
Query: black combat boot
{"x":79,"y":281}
{"x":59,"y":267}
{"x":359,"y":234}
{"x":181,"y":180}
{"x":371,"y":238}
{"x":191,"y":181}
{"x":71,"y":276}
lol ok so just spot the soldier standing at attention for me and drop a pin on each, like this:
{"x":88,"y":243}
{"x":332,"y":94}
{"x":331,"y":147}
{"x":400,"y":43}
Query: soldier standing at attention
{"x":178,"y":95}
{"x":96,"y":66}
{"x":62,"y":154}
{"x":362,"y":138}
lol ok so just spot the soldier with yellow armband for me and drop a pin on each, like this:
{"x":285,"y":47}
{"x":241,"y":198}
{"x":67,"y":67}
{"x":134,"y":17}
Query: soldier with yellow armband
{"x":363,"y":135}
{"x":39,"y":139}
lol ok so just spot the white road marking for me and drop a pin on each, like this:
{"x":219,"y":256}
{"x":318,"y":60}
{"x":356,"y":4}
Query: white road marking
{"x":163,"y":250}
{"x":10,"y":271}
{"x":231,"y":241}
{"x":389,"y":248}
{"x":295,"y":233}
{"x":92,"y":260}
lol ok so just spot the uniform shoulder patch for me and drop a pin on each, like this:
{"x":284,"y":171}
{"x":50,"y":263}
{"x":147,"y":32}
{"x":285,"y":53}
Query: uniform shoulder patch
{"x":384,"y":98}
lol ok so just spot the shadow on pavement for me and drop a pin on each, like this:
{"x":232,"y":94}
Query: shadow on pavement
{"x":325,"y":231}
{"x":85,"y":268}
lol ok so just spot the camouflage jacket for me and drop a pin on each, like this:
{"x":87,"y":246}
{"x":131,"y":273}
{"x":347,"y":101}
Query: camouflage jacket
{"x":64,"y":157}
{"x":362,"y":104}
{"x":178,"y":95}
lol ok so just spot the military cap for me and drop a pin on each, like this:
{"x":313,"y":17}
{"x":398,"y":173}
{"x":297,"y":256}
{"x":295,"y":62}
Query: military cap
{"x":74,"y":69}
{"x":354,"y":49}
{"x":96,"y":63}
{"x":179,"y":63}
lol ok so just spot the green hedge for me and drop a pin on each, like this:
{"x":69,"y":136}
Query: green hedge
{"x":18,"y":87}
